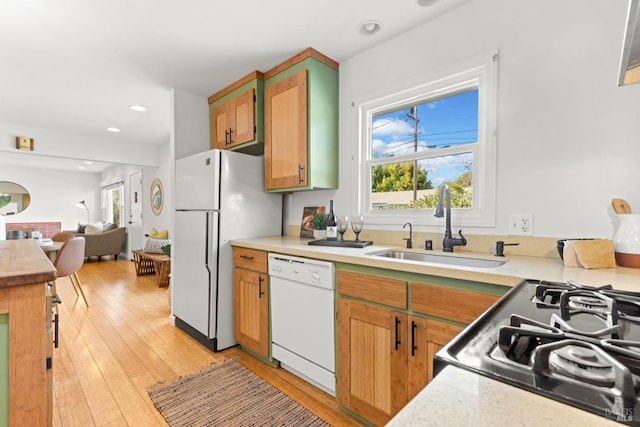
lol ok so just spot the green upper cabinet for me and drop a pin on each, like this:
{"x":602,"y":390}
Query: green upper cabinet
{"x":301,"y":124}
{"x":236,"y":116}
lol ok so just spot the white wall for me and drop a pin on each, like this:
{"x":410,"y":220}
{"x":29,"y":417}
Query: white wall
{"x":58,"y":144}
{"x":163,"y":173}
{"x":54,"y":195}
{"x":189,"y":130}
{"x":568,"y":137}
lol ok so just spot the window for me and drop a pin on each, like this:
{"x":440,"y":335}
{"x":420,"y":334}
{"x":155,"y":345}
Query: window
{"x":439,"y":132}
{"x":112,"y":203}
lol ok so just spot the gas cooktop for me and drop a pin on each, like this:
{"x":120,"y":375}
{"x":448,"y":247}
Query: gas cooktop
{"x":572,"y":343}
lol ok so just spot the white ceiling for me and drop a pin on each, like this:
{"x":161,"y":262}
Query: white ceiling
{"x":75,"y":66}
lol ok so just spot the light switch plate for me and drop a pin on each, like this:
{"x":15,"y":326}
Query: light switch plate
{"x":24,"y":143}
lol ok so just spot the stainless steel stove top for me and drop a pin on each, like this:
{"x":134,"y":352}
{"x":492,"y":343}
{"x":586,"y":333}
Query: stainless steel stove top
{"x":572,"y":343}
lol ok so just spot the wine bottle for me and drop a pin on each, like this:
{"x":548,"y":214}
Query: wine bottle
{"x":332,"y":227}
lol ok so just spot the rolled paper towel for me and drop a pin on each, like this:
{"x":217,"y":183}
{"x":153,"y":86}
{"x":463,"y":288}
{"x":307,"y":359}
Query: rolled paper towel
{"x":597,"y":253}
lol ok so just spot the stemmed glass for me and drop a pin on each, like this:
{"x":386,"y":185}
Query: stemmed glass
{"x":357,"y":223}
{"x":343,"y":224}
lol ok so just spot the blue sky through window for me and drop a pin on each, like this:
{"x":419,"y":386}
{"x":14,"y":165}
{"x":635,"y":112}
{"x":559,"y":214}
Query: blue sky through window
{"x":442,"y":123}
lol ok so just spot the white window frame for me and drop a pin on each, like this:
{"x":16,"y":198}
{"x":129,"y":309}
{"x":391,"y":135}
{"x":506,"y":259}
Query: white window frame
{"x":107,"y":208}
{"x":480,"y":73}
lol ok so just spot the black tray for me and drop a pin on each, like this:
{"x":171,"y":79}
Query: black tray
{"x":341,"y":243}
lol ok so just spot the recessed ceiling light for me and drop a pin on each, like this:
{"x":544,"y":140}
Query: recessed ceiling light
{"x":88,"y":162}
{"x":112,"y":129}
{"x":81,"y":167}
{"x":137,"y":108}
{"x":369,"y":27}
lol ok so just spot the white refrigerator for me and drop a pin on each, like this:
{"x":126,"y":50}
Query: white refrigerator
{"x":219,"y":196}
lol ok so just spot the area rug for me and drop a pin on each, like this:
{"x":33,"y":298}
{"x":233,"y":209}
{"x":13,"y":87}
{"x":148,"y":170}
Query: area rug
{"x":228,"y":395}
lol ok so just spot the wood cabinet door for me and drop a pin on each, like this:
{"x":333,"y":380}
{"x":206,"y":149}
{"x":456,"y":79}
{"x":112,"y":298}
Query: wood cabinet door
{"x":426,"y":337}
{"x":285,"y":110}
{"x":251,"y":310}
{"x":234,"y":122}
{"x":244,"y":119}
{"x":372,"y":360}
{"x":220,"y":126}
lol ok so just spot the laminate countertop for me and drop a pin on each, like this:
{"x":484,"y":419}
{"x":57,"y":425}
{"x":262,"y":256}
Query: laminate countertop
{"x":512,"y":272}
{"x":456,"y":396}
{"x":23,"y":262}
{"x":461,"y":398}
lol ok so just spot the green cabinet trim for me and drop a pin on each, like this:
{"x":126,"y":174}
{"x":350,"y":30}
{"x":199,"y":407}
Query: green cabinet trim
{"x":322,"y":120}
{"x":4,"y":370}
{"x":255,"y":147}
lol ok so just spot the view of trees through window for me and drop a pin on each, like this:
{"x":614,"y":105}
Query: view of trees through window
{"x":419,"y":147}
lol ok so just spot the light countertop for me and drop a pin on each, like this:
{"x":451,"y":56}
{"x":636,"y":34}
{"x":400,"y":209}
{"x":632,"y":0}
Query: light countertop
{"x":455,"y":396}
{"x":462,"y":398}
{"x":509,"y":274}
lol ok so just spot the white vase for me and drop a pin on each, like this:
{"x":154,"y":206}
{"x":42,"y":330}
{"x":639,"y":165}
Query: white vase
{"x":626,"y":240}
{"x":319,"y":234}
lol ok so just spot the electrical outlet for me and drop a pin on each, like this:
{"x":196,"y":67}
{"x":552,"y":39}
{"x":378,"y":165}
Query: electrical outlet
{"x":521,"y":225}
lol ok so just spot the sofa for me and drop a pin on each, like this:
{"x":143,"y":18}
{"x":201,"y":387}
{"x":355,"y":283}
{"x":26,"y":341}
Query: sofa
{"x":103,"y":243}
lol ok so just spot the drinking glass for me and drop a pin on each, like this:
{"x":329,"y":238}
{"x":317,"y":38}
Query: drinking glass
{"x":357,"y":223}
{"x":343,"y":224}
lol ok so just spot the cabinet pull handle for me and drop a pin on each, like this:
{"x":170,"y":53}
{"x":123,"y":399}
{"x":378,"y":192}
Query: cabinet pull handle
{"x":230,"y":136}
{"x":247,"y":257}
{"x":260,"y":280}
{"x":226,"y":137}
{"x":300,"y":179}
{"x":55,"y":330}
{"x":397,"y":333}
{"x":414,"y":347}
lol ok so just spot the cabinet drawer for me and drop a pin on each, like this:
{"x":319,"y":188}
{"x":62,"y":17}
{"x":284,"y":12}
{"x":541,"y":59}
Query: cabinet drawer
{"x":250,"y":259}
{"x":452,"y":304}
{"x":390,"y":292}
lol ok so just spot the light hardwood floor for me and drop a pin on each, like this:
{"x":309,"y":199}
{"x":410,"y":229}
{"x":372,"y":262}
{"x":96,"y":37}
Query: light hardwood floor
{"x":126,"y":341}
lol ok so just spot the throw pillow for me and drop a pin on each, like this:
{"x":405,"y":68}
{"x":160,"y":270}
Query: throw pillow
{"x":167,"y":250}
{"x":93,"y":229}
{"x":155,"y":234}
{"x":109,"y":227}
{"x":81,"y":228}
{"x":154,"y":246}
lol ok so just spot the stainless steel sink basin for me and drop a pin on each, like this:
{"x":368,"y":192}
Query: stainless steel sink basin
{"x":439,"y":259}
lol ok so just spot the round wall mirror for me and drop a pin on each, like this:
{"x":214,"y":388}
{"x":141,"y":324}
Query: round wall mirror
{"x":156,"y":196}
{"x":14,"y":198}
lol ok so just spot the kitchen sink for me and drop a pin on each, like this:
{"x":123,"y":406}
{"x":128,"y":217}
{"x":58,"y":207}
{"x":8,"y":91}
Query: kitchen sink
{"x":439,"y":259}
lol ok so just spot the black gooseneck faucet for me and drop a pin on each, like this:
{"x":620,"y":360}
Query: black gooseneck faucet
{"x":410,"y":239}
{"x":449,"y":241}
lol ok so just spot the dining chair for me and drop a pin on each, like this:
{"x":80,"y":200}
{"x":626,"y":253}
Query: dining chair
{"x":69,"y":260}
{"x":62,"y":236}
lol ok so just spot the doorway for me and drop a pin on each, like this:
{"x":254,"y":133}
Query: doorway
{"x":135,"y":233}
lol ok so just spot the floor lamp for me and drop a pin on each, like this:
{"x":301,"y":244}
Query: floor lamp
{"x":83,"y":205}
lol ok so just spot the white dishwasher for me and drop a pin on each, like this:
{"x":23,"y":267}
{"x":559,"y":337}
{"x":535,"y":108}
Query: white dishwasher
{"x":302,"y":318}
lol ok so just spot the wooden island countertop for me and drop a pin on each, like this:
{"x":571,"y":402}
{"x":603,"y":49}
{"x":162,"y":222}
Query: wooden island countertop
{"x":23,"y":262}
